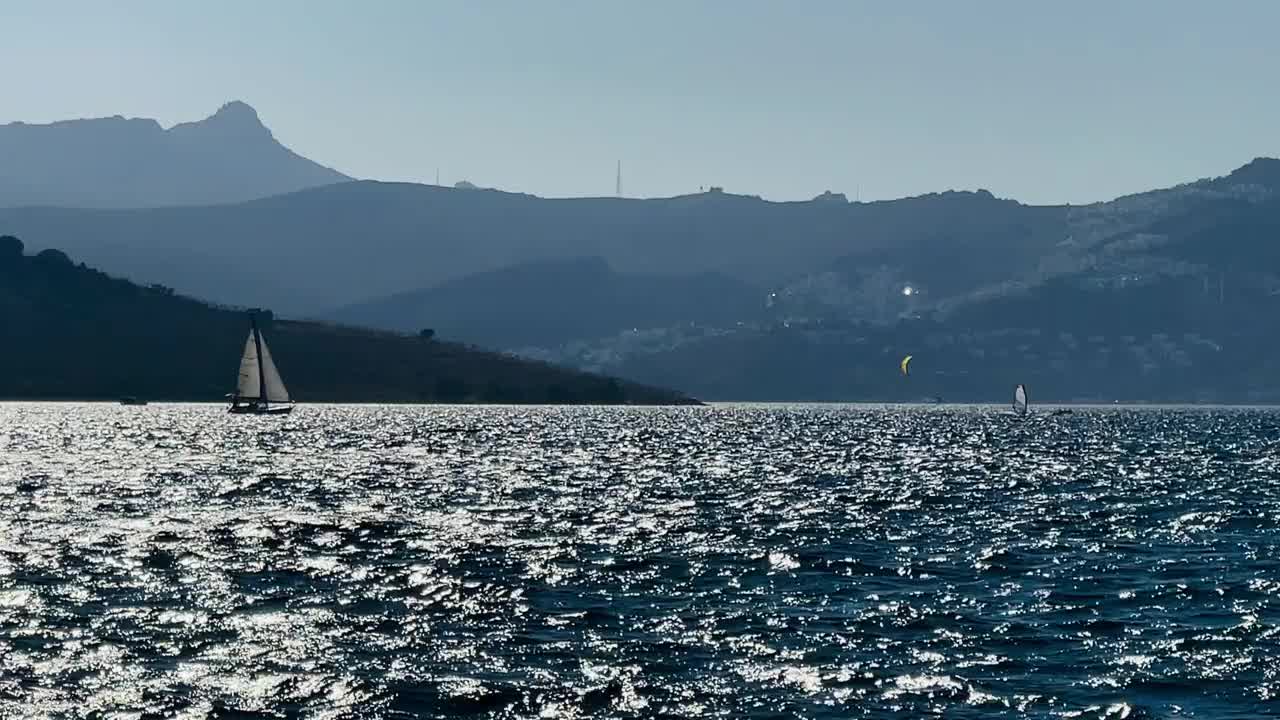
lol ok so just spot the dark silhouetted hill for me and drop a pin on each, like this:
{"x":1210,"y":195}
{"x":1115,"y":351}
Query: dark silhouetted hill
{"x":117,"y":162}
{"x":556,"y":301}
{"x":71,"y":332}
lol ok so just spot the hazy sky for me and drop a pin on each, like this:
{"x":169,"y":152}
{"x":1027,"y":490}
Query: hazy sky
{"x":1045,"y":102}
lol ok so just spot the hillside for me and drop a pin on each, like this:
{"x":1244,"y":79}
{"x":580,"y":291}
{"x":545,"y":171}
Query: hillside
{"x":71,"y":332}
{"x":1179,"y":305}
{"x":557,"y":301}
{"x":117,"y":162}
{"x":311,"y":251}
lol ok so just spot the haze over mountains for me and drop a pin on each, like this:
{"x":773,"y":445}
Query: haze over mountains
{"x":121,"y":162}
{"x":733,"y":297}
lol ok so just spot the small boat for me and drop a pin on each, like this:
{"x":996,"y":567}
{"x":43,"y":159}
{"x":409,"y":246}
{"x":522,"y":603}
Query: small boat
{"x":1063,"y":411}
{"x":259,"y":388}
{"x":131,"y":400}
{"x":1020,"y":400}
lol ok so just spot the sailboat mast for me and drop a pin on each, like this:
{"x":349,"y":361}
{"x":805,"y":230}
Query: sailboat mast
{"x":257,"y":346}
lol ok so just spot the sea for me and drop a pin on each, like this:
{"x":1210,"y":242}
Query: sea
{"x":732,"y":561}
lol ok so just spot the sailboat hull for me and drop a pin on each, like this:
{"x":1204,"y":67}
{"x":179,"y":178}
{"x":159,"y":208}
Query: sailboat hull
{"x":255,"y":410}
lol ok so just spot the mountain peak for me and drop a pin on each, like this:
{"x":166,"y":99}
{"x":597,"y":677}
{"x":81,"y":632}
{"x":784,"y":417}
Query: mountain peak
{"x":236,"y":117}
{"x":1259,"y":171}
{"x":229,"y":156}
{"x":239,"y":111}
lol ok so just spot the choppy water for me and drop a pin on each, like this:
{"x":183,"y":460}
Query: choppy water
{"x":380,"y":562}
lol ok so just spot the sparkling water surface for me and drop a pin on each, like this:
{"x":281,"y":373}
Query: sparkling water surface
{"x":734,"y":561}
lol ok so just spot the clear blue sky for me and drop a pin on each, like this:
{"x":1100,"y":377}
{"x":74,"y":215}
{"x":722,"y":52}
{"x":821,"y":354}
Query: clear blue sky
{"x":1045,"y":102}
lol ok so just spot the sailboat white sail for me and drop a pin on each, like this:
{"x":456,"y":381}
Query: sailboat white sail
{"x":1020,"y":400}
{"x":274,"y":390}
{"x":259,"y":383}
{"x":249,"y":384}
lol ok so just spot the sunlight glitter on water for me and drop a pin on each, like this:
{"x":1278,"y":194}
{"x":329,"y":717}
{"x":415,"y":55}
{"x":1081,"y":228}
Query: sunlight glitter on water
{"x":567,"y":562}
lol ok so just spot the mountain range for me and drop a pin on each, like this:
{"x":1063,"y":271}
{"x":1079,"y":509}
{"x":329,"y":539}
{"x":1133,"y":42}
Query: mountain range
{"x":735,"y":297}
{"x":351,"y":242}
{"x":119,"y":162}
{"x":1163,"y":296}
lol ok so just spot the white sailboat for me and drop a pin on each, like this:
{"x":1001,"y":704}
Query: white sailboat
{"x":259,"y":389}
{"x":1020,"y":399}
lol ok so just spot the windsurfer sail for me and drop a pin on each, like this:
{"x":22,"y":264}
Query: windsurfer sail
{"x":1020,"y":400}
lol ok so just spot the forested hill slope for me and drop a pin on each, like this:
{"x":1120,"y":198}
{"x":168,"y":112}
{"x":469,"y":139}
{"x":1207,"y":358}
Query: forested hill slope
{"x":70,"y":332}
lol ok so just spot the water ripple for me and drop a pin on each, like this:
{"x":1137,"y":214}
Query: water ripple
{"x":738,"y":561}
